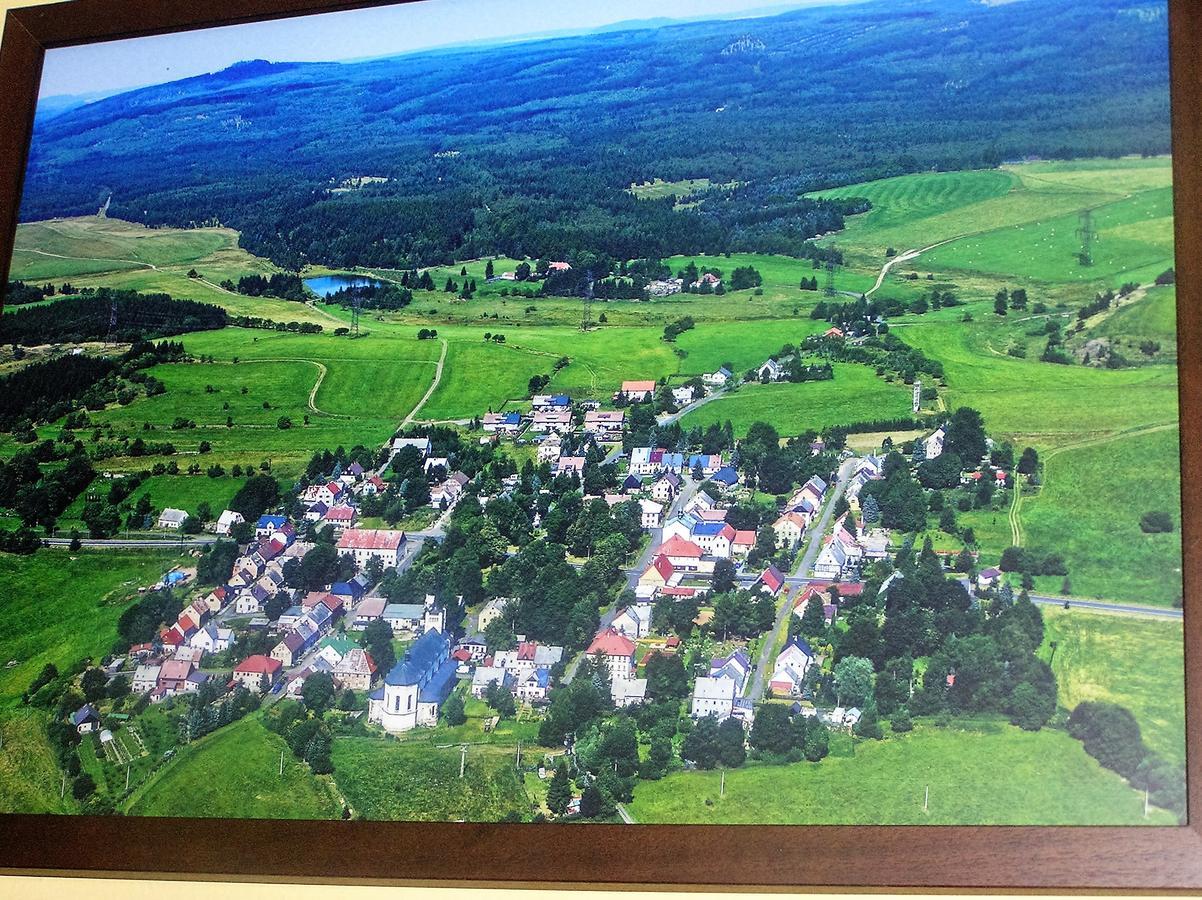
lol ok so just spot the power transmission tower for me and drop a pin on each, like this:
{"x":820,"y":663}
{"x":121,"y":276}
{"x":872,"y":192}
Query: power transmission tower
{"x":1087,"y":234}
{"x":112,"y":321}
{"x":586,"y":319}
{"x":830,"y":278}
{"x":356,"y":303}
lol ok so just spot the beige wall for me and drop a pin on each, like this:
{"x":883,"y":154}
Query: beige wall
{"x":40,"y":888}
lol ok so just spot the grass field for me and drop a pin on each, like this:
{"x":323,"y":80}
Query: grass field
{"x":61,"y":607}
{"x":234,"y":772}
{"x":854,"y":394}
{"x":990,"y":774}
{"x":184,"y":492}
{"x":1088,"y":512}
{"x":1096,"y":659}
{"x":30,"y":782}
{"x":409,"y":781}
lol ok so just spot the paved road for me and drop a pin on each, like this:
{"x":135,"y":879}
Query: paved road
{"x":807,"y":560}
{"x":1151,"y":612}
{"x":688,"y":408}
{"x":627,"y":818}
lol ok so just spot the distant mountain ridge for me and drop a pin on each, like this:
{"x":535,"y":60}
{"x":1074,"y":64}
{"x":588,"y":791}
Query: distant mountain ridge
{"x":550,"y":133}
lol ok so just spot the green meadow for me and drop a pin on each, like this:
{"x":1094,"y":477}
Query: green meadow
{"x":406,"y":781}
{"x":989,"y":773}
{"x":1094,"y":660}
{"x":235,"y":773}
{"x":61,"y":607}
{"x":30,"y":781}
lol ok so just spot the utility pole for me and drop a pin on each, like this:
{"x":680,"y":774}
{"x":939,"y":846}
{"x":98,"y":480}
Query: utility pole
{"x":1087,"y":234}
{"x":62,"y":791}
{"x":112,"y":321}
{"x":722,"y":785}
{"x":518,"y":760}
{"x":127,"y":768}
{"x":1145,"y":803}
{"x":462,"y":759}
{"x":926,"y":798}
{"x":586,"y":319}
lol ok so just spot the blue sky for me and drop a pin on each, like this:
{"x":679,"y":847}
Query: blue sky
{"x":121,"y":65}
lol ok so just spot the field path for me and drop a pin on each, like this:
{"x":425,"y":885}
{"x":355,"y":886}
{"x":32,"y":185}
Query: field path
{"x":85,"y":258}
{"x":442,"y":358}
{"x":906,"y":257}
{"x":321,"y":375}
{"x":1016,"y":525}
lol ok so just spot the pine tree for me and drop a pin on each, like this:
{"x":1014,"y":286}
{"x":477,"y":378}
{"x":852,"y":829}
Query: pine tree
{"x":870,"y":510}
{"x":559,"y":792}
{"x":813,"y":619}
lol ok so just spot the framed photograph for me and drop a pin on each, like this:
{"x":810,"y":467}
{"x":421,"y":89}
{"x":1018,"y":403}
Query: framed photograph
{"x":506,"y":441}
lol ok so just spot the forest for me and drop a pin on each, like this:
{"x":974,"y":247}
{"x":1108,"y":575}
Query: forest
{"x":540,"y":163}
{"x":88,"y":316}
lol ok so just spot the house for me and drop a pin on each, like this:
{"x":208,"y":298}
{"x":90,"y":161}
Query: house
{"x":633,"y":484}
{"x":659,"y":573}
{"x":836,"y":333}
{"x":736,"y":667}
{"x":932,"y":445}
{"x":348,"y":592}
{"x":646,"y":460}
{"x":368,"y":611}
{"x":550,"y":449}
{"x":366,"y":544}
{"x":842,"y":551}
{"x":213,"y":638}
{"x":792,"y":663}
{"x":700,"y":501}
{"x":770,"y":371}
{"x":534,"y":686}
{"x":570,"y":465}
{"x":605,"y":426}
{"x":664,"y":287}
{"x":146,"y":678}
{"x":493,"y":610}
{"x":341,"y":517}
{"x":227,"y":520}
{"x":475,"y":647}
{"x":356,"y":670}
{"x":708,"y":463}
{"x":528,"y":656}
{"x":173,"y":676}
{"x":85,"y":719}
{"x":269,"y":525}
{"x":987,"y":578}
{"x":404,"y":616}
{"x":288,"y":651}
{"x":503,"y":423}
{"x":486,"y":675}
{"x":416,"y":687}
{"x":422,"y":444}
{"x":742,"y":544}
{"x":771,"y":581}
{"x":628,"y":691}
{"x":714,"y":538}
{"x":712,"y":697}
{"x":616,"y":650}
{"x":216,"y":599}
{"x":172,"y":519}
{"x":717,"y":378}
{"x":683,"y":396}
{"x":447,"y":493}
{"x":373,"y":485}
{"x":651,"y":514}
{"x":637,"y":391}
{"x":550,"y":401}
{"x":684,"y":555}
{"x":558,"y":421}
{"x":789,"y":530}
{"x":252,"y":671}
{"x":666,"y":487}
{"x":333,"y":648}
{"x":634,"y":621}
{"x":725,"y":478}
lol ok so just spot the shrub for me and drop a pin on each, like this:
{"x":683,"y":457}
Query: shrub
{"x":1156,"y":522}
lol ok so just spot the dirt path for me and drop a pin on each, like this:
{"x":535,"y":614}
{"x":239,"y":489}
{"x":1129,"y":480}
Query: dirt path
{"x":85,"y":258}
{"x":321,"y":376}
{"x":442,"y":358}
{"x":906,"y":257}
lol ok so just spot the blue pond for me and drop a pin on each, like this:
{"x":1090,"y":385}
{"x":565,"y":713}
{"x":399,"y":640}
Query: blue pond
{"x":325,"y":285}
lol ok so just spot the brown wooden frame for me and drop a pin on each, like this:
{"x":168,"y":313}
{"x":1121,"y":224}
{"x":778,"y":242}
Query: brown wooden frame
{"x":933,"y":857}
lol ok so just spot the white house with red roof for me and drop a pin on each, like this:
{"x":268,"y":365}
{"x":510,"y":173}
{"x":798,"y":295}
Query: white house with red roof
{"x":616,"y":650}
{"x":772,"y":581}
{"x":637,"y":391}
{"x":684,"y":555}
{"x":250,"y":672}
{"x":742,"y":544}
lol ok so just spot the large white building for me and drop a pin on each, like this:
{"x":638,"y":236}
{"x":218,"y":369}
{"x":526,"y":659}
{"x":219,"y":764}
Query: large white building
{"x":713,"y":697}
{"x":416,"y":687}
{"x":364,"y":544}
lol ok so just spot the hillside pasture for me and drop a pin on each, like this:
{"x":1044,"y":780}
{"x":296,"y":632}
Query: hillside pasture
{"x":30,"y":781}
{"x":63,"y":606}
{"x":234,"y":773}
{"x":1093,"y":661}
{"x":855,"y":394}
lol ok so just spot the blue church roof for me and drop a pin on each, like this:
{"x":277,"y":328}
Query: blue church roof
{"x":439,"y":687}
{"x":421,"y":660}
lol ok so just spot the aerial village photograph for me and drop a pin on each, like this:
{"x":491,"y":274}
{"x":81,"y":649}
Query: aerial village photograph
{"x":704,"y":411}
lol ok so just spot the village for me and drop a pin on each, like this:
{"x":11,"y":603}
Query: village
{"x":795,"y":568}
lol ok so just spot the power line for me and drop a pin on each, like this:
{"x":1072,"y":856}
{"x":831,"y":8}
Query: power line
{"x":1087,"y":234}
{"x":830,"y":278}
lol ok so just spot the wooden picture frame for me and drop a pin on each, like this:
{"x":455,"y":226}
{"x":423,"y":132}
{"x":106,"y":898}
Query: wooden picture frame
{"x":930,"y":857}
